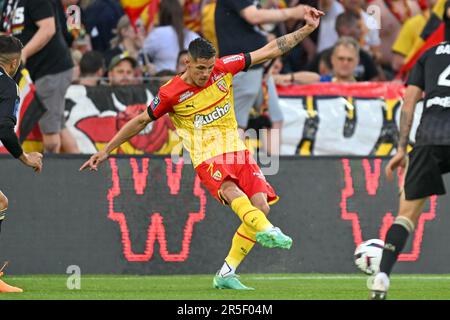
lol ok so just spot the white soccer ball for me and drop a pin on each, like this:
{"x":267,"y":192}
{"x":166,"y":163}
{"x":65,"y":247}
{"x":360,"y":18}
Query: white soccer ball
{"x":368,"y":256}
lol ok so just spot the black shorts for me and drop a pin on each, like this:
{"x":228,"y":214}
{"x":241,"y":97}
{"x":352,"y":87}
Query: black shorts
{"x":426,"y":166}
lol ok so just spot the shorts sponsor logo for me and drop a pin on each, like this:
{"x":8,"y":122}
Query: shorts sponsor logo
{"x":201,"y":120}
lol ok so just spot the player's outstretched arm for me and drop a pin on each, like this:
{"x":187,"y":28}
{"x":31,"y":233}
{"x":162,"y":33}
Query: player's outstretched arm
{"x":132,"y":128}
{"x":281,"y":45}
{"x":412,"y":95}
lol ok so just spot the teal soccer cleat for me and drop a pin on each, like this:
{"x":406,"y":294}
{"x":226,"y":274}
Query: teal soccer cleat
{"x":274,"y":238}
{"x":229,"y":282}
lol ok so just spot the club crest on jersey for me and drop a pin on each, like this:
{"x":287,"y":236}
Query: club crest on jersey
{"x":222,"y":85}
{"x":155,"y":103}
{"x":217,"y":175}
{"x":201,"y":120}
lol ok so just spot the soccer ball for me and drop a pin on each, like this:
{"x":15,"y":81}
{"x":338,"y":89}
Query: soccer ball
{"x":368,"y":256}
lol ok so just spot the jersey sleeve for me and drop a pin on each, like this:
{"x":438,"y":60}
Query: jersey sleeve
{"x":8,"y":101}
{"x":238,"y":5}
{"x":40,"y":9}
{"x":236,"y":63}
{"x":160,"y":105}
{"x":9,"y":139}
{"x":417,"y":76}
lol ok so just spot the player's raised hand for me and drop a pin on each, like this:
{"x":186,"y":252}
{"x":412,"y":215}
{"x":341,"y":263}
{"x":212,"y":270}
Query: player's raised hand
{"x":399,"y":160}
{"x":95,"y":161}
{"x":33,"y":160}
{"x":312,"y":16}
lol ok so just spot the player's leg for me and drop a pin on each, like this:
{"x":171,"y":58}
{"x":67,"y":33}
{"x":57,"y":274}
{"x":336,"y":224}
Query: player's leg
{"x":244,"y":239}
{"x":51,"y":90}
{"x":243,"y":207}
{"x":423,"y":178}
{"x":396,"y":238}
{"x":4,"y":287}
{"x":3,"y":208}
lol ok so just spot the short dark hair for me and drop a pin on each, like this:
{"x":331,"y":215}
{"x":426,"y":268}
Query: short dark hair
{"x":10,"y":45}
{"x":347,"y":18}
{"x":181,"y":53}
{"x":201,"y":48}
{"x":91,"y":62}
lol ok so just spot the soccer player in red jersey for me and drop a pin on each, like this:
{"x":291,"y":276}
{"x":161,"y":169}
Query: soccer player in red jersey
{"x":200,"y":104}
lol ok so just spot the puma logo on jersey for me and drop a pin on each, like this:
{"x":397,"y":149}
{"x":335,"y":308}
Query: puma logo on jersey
{"x":201,"y":120}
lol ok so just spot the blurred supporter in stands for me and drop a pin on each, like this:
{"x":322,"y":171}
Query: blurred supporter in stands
{"x":92,"y":68}
{"x":128,"y":39}
{"x":327,"y":31}
{"x":369,"y":26}
{"x":160,"y":78}
{"x":164,"y":42}
{"x":392,"y":16}
{"x":192,"y":12}
{"x":299,"y":77}
{"x":300,"y":56}
{"x":347,"y":26}
{"x":181,"y":64}
{"x":122,"y":70}
{"x":46,"y":55}
{"x":208,"y":27}
{"x":101,"y":19}
{"x":237,"y":28}
{"x":408,"y":35}
{"x":345,"y":56}
{"x":76,"y":58}
{"x":344,"y":60}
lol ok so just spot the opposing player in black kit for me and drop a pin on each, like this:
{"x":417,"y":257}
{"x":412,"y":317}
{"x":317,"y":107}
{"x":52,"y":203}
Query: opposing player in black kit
{"x":430,"y":157}
{"x":10,"y":54}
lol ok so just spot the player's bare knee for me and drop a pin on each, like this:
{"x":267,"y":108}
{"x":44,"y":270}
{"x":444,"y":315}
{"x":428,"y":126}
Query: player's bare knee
{"x":263,"y":206}
{"x":230,"y":191}
{"x":52,"y":147}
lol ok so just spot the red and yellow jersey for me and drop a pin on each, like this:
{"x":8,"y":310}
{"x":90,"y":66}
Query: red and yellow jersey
{"x":204,"y":116}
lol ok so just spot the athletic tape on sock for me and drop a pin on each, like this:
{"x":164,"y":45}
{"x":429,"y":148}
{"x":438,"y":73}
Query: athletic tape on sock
{"x":406,"y":223}
{"x":2,"y":214}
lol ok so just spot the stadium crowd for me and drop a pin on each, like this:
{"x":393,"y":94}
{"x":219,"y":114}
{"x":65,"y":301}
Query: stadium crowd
{"x":357,"y":40}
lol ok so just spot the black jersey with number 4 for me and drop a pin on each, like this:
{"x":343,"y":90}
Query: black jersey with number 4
{"x":432,"y":74}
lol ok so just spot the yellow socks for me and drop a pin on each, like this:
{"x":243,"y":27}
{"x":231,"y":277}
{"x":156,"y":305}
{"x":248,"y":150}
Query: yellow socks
{"x":243,"y":242}
{"x":253,"y":220}
{"x":251,"y":216}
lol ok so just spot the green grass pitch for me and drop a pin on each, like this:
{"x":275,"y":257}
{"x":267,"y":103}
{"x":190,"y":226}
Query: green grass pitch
{"x":199,"y":287}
